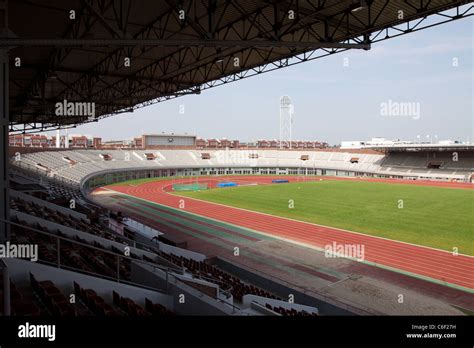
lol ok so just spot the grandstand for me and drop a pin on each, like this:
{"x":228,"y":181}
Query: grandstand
{"x":131,"y":259}
{"x":438,"y":162}
{"x":70,"y":241}
{"x":76,"y":240}
{"x":88,"y":163}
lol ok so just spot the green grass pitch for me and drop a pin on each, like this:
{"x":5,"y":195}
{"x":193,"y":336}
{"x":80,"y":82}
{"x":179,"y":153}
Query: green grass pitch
{"x":432,"y":216}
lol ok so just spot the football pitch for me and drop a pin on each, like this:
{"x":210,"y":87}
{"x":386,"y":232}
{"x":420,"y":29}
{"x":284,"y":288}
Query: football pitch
{"x":437,"y":217}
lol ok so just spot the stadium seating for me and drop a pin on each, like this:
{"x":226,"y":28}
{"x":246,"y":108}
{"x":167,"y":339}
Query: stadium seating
{"x":22,"y":303}
{"x":63,"y":179}
{"x":429,"y":165}
{"x":90,"y":161}
{"x":85,"y":243}
{"x":289,"y":312}
{"x":80,"y":258}
{"x":225,"y":280}
{"x":44,"y":298}
{"x":54,"y":300}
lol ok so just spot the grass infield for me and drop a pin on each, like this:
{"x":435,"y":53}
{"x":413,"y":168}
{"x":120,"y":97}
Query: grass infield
{"x":438,"y":217}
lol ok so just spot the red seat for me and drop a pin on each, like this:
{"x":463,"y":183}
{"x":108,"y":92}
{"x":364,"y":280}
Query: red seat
{"x":22,"y":308}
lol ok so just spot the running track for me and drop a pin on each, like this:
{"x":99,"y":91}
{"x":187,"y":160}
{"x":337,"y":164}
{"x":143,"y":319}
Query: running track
{"x":435,"y":264}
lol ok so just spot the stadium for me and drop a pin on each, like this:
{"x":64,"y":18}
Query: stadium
{"x":173,"y":225}
{"x":191,"y":199}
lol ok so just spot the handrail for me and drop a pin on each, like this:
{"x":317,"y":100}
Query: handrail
{"x":177,"y":270}
{"x":145,"y":247}
{"x":134,"y":244}
{"x":122,"y":238}
{"x":170,"y":271}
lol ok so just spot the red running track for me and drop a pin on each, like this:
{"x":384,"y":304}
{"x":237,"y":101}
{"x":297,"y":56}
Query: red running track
{"x":432,"y":263}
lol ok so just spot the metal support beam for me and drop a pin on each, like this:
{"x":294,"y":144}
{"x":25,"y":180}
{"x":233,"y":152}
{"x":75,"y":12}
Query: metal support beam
{"x":18,"y":42}
{"x":6,"y":289}
{"x":4,"y":126}
{"x":199,"y":49}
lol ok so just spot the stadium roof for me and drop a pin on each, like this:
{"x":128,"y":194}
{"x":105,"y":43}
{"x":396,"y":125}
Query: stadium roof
{"x":422,"y":147}
{"x":76,"y":50}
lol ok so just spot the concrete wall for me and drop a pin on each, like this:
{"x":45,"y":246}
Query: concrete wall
{"x":159,"y":140}
{"x":248,"y":299}
{"x":169,"y":249}
{"x":195,"y":301}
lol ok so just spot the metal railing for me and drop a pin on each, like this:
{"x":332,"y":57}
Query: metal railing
{"x":144,"y":247}
{"x":4,"y":275}
{"x":59,"y":240}
{"x":170,"y":272}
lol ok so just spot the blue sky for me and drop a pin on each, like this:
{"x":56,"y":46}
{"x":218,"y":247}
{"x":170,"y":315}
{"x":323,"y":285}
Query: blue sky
{"x":331,"y":102}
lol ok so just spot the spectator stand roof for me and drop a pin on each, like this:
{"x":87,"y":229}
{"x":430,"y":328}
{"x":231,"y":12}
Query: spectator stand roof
{"x":123,"y":55}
